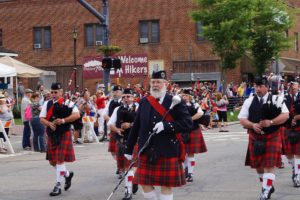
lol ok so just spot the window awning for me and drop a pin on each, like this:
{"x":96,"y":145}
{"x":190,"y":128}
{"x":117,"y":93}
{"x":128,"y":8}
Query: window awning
{"x":290,"y":64}
{"x":6,"y":52}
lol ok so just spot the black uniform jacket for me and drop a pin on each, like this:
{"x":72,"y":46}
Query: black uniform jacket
{"x":165,"y":143}
{"x":288,"y":102}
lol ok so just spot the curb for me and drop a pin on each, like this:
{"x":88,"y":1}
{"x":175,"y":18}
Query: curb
{"x":233,"y":123}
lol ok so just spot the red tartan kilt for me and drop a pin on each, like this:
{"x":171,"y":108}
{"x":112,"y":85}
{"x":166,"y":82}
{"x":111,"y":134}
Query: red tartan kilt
{"x":166,"y":172}
{"x":64,"y":152}
{"x":272,"y":157}
{"x":196,"y":144}
{"x":112,"y":143}
{"x":122,"y":162}
{"x":288,"y":148}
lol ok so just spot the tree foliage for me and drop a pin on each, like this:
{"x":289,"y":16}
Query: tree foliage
{"x":108,"y":50}
{"x":235,"y":27}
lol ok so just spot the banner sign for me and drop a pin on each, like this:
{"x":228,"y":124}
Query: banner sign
{"x":131,"y":66}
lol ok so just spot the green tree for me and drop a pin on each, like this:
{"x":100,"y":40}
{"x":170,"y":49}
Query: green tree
{"x":235,"y":27}
{"x":268,"y":28}
{"x":109,"y":50}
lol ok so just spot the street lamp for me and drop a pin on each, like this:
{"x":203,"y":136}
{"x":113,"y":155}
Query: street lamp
{"x":74,"y":35}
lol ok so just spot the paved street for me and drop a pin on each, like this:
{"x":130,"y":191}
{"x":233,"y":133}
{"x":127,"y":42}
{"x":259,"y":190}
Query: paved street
{"x":220,"y":173}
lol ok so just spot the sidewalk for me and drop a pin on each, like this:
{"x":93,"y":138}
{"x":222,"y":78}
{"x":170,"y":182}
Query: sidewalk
{"x":16,"y":130}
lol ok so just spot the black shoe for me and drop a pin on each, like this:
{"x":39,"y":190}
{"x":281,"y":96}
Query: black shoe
{"x":135,"y":188}
{"x":266,"y":196}
{"x":56,"y":191}
{"x":293,"y":174}
{"x":68,"y":181}
{"x":102,"y":139}
{"x":281,"y":166}
{"x":263,"y":195}
{"x":272,"y":190}
{"x":120,"y":175}
{"x":190,"y":178}
{"x":296,"y":180}
{"x":128,"y":196}
{"x":186,"y":172}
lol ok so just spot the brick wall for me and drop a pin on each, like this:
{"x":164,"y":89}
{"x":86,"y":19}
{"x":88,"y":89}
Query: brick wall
{"x":177,"y":33}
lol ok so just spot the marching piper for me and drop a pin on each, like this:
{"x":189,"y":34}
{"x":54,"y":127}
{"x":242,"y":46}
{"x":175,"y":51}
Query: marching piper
{"x":291,"y":137}
{"x":194,"y":141}
{"x":56,"y":115}
{"x":263,"y":115}
{"x":120,"y":123}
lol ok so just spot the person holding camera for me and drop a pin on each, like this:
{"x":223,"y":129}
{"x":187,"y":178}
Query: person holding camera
{"x":222,"y":102}
{"x":263,"y":115}
{"x":120,"y":123}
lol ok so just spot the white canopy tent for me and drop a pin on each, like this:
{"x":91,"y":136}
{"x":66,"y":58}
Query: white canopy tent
{"x":23,"y":70}
{"x":7,"y":71}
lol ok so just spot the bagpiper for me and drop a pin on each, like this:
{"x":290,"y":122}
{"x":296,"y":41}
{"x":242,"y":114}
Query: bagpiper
{"x":291,"y":136}
{"x":116,"y":100}
{"x":120,"y":123}
{"x":263,"y":115}
{"x":56,"y":115}
{"x":194,"y":141}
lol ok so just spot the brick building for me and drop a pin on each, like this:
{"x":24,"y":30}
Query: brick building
{"x":161,"y":31}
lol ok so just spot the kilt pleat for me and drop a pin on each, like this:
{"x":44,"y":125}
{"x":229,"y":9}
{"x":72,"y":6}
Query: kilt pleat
{"x":122,"y":162}
{"x":112,"y":143}
{"x":272,"y":157}
{"x":288,"y":148}
{"x":166,"y":172}
{"x":196,"y":143}
{"x":64,"y":152}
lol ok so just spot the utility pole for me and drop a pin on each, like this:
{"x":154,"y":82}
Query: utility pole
{"x":104,"y":20}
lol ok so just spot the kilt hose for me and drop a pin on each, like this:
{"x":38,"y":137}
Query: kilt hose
{"x":112,"y":143}
{"x":196,"y":143}
{"x":272,"y":156}
{"x":288,"y":148}
{"x":64,"y":152}
{"x":166,"y":172}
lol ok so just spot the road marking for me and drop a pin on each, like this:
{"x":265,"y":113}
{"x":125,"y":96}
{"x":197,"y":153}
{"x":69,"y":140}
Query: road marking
{"x":237,"y":136}
{"x":16,"y":154}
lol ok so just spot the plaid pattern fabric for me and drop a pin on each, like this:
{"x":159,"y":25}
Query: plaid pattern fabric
{"x":288,"y":148}
{"x":112,"y":143}
{"x":166,"y":172}
{"x":122,"y":162}
{"x":64,"y":152}
{"x":196,"y":144}
{"x":272,"y":157}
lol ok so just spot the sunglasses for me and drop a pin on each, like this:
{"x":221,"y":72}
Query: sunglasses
{"x":54,"y":92}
